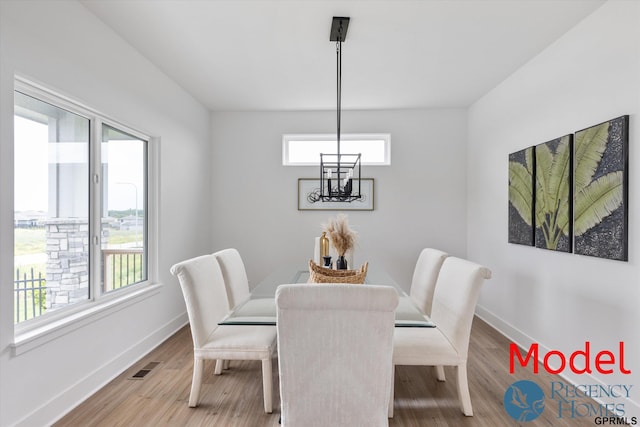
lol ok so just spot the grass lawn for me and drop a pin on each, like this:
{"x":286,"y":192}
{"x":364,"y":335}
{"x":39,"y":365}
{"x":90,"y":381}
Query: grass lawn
{"x":33,"y":240}
{"x":119,"y":237}
{"x":29,"y":241}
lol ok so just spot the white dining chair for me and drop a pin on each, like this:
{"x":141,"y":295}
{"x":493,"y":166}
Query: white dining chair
{"x":235,"y":276}
{"x":335,"y":353}
{"x":238,"y":292}
{"x":454,"y":301}
{"x":205,"y":296}
{"x":425,"y":275}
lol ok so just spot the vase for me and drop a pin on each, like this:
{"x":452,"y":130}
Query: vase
{"x":341,"y":263}
{"x":324,"y":245}
{"x":327,"y":261}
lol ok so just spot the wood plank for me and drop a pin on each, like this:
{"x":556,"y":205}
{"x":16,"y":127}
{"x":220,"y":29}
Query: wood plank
{"x":235,"y":397}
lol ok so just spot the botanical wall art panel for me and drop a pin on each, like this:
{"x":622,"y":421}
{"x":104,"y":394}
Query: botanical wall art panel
{"x":521,"y":197}
{"x":601,"y":191}
{"x":553,"y":207}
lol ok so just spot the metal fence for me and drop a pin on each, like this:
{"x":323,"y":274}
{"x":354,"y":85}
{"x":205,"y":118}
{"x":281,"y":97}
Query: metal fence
{"x":122,"y":267}
{"x":30,"y":295}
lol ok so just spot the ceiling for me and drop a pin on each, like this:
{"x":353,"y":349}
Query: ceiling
{"x":244,"y":55}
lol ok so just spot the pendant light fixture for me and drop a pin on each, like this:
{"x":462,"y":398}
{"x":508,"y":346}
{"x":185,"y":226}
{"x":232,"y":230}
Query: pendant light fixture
{"x":339,"y":173}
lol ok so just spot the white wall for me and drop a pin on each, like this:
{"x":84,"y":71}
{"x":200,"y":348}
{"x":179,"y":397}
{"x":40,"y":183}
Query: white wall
{"x":590,"y":75}
{"x":419,"y":199}
{"x":63,"y":46}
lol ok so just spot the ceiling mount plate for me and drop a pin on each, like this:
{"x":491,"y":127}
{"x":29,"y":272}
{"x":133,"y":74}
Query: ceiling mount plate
{"x":339,"y":27}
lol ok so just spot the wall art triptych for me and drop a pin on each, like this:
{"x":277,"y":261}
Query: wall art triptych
{"x":570,"y":194}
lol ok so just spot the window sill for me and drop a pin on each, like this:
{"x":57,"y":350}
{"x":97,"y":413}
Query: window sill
{"x":33,"y":338}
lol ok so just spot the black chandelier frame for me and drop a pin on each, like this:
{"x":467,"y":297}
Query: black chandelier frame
{"x":340,"y":173}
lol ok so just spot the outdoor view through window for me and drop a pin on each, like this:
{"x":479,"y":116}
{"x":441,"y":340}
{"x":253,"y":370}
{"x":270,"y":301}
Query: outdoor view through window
{"x":53,"y":255}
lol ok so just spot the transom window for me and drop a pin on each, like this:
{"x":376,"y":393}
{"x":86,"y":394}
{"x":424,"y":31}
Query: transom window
{"x":305,"y":149}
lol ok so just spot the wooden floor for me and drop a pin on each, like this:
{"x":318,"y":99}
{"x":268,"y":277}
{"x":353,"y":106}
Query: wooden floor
{"x":235,"y":398}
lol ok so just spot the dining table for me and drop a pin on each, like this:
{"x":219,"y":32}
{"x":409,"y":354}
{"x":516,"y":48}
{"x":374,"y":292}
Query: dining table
{"x":260,"y":308}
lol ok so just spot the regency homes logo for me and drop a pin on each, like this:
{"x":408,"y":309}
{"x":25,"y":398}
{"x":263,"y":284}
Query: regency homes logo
{"x":524,"y":400}
{"x":602,"y":403}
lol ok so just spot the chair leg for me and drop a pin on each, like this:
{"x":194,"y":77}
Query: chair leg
{"x":392,"y":391}
{"x":440,"y":373}
{"x":196,"y":382}
{"x":219,"y":366}
{"x":225,"y":365}
{"x":267,"y":385}
{"x":463,"y":390}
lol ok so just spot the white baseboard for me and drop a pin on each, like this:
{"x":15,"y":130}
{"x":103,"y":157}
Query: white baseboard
{"x":523,"y":340}
{"x":56,"y":408}
{"x":511,"y":332}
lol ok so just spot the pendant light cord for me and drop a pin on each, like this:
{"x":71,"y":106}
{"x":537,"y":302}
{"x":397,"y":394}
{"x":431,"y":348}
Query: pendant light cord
{"x":339,"y":90}
{"x":339,"y":96}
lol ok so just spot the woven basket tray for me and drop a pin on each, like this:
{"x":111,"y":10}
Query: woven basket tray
{"x":319,"y":274}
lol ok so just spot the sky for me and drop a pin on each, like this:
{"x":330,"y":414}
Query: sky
{"x":32,"y":152}
{"x":30,"y":171}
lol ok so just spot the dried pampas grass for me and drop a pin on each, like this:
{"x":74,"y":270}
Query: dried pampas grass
{"x":342,"y":237}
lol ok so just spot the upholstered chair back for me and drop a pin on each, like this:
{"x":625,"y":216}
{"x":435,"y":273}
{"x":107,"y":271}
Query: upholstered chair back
{"x":235,"y":276}
{"x":204,"y":294}
{"x":425,"y":276}
{"x":455,"y":299}
{"x":335,"y":344}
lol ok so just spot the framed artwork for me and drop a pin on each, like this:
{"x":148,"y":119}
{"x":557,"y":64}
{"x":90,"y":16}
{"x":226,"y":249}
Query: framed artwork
{"x":601,"y":190}
{"x":553,"y":194}
{"x":521,"y":197}
{"x":309,"y":197}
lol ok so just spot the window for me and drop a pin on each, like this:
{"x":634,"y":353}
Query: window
{"x":80,"y":205}
{"x":303,"y":150}
{"x":123,"y":209}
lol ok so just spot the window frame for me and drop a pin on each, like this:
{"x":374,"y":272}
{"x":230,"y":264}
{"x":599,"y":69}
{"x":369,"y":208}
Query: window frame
{"x":97,"y":185}
{"x":331,"y":137}
{"x":36,"y":331}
